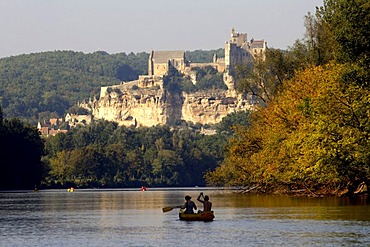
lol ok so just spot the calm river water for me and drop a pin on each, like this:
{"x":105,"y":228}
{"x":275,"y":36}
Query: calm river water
{"x":135,"y":218}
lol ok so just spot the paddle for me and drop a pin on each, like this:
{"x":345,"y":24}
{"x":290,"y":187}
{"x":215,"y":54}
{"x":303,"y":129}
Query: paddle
{"x":167,"y":209}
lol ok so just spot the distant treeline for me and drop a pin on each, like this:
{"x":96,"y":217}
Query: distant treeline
{"x":103,"y":154}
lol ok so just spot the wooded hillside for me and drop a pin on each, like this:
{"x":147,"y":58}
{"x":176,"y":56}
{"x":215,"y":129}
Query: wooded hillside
{"x":44,"y":85}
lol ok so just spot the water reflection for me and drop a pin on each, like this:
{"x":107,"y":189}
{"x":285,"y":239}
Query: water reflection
{"x":134,"y":218}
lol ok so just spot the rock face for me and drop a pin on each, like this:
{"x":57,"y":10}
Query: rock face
{"x":140,"y":107}
{"x":210,"y":107}
{"x":133,"y":106}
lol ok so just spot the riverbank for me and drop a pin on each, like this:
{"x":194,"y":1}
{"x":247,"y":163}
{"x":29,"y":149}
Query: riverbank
{"x":318,"y":191}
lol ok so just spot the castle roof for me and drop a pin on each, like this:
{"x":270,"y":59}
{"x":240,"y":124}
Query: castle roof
{"x":164,"y":56}
{"x":257,"y":43}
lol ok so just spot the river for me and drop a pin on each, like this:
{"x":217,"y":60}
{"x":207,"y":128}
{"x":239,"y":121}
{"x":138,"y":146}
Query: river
{"x":131,"y":217}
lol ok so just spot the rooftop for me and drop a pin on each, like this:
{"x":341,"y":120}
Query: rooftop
{"x":257,"y":43}
{"x":164,"y":56}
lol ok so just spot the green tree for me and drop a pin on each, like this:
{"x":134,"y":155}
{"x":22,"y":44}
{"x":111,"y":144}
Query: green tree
{"x":61,"y":169}
{"x":263,"y":77}
{"x":167,"y":168}
{"x":200,"y":56}
{"x":232,"y":120}
{"x":349,"y":23}
{"x":20,"y":165}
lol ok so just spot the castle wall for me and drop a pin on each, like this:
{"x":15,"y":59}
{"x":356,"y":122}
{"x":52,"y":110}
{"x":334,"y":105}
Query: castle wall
{"x":258,"y":48}
{"x":160,"y":69}
{"x":160,"y":61}
{"x":215,"y":65}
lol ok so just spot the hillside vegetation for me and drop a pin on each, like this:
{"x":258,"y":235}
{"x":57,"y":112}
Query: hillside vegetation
{"x":46,"y":84}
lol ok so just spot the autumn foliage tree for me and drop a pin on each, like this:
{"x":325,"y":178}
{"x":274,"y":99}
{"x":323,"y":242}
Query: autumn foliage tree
{"x":313,"y":134}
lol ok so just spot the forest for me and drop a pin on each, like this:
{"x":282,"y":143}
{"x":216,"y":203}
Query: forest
{"x":105,"y":155}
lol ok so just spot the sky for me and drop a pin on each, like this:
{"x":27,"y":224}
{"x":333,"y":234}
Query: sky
{"x":30,"y":26}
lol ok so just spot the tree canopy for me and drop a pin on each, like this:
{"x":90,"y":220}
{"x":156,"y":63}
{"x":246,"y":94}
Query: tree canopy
{"x":21,"y":152}
{"x":103,"y":154}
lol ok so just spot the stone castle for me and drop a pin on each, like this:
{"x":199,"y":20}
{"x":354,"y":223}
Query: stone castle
{"x":145,"y":102}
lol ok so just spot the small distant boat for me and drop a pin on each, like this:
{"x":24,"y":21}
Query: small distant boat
{"x":205,"y":216}
{"x":71,"y":189}
{"x":143,"y":188}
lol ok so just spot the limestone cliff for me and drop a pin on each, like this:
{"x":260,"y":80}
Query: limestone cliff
{"x":133,"y":106}
{"x":211,"y":106}
{"x":140,"y":107}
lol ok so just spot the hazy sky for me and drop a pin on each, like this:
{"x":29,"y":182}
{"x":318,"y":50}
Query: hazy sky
{"x":29,"y":26}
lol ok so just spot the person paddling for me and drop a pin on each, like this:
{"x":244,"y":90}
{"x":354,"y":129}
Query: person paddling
{"x":207,"y":205}
{"x":189,"y":205}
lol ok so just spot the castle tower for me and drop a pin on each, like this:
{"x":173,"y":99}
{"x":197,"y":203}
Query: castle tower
{"x":150,"y":64}
{"x":215,"y":58}
{"x":228,"y":73}
{"x":240,"y":39}
{"x":236,"y":52}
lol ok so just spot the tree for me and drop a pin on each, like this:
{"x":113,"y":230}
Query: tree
{"x":232,"y":120}
{"x":349,"y":23}
{"x":262,"y":77}
{"x":312,"y":135}
{"x":61,"y":169}
{"x":20,"y":165}
{"x":167,"y":168}
{"x":200,"y":56}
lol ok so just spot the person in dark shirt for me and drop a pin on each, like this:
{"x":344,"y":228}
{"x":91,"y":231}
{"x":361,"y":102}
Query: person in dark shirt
{"x":189,"y":205}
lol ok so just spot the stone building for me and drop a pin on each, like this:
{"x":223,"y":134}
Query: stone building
{"x":73,"y":120}
{"x":160,"y":62}
{"x":50,"y":128}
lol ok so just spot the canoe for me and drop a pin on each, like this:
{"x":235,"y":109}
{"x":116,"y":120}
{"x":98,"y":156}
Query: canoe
{"x":206,"y":216}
